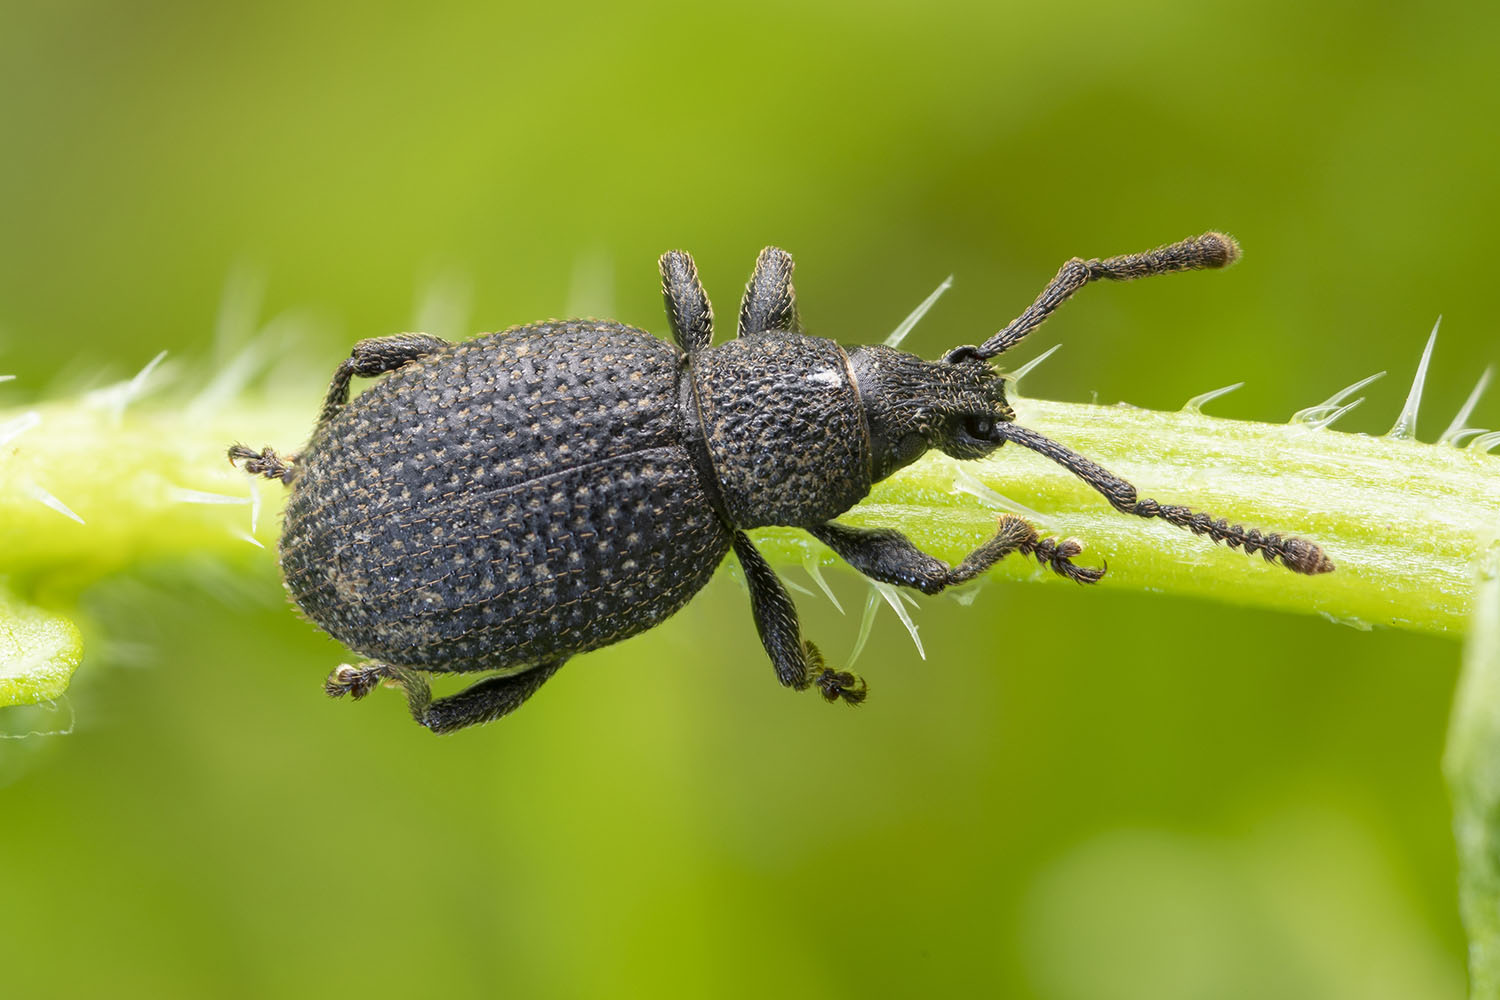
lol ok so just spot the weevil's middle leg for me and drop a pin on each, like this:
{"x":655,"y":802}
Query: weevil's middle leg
{"x":888,"y":556}
{"x":797,"y":661}
{"x":833,"y":685}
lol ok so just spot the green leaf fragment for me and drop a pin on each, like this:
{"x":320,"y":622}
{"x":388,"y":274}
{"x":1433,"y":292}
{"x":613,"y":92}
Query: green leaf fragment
{"x":38,"y":653}
{"x":1472,"y":765}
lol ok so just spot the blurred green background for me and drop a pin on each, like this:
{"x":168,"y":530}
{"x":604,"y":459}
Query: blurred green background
{"x":1077,"y":794}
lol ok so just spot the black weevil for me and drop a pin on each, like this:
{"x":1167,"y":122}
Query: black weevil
{"x":501,"y":504}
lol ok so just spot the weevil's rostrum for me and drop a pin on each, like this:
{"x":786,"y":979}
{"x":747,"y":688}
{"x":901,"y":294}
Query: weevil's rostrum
{"x":499,"y":505}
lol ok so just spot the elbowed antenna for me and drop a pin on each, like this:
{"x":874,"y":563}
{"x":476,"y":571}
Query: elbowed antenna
{"x":1296,"y":554}
{"x":1211,"y":250}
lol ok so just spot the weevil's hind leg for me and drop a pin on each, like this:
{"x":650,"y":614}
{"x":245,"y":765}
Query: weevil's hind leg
{"x":487,"y":700}
{"x":373,"y":357}
{"x":1208,"y":250}
{"x":264,"y":462}
{"x":770,"y":302}
{"x":688,"y":308}
{"x":888,"y":556}
{"x":482,"y":702}
{"x":798,"y":663}
{"x":361,"y":680}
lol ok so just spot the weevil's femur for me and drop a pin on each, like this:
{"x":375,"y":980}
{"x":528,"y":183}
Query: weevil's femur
{"x":912,"y":405}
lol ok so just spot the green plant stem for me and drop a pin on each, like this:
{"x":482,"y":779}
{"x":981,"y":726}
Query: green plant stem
{"x":1403,"y":521}
{"x":138,"y":482}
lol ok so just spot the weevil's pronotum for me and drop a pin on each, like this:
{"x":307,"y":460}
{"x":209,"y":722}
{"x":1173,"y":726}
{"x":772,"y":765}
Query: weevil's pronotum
{"x":501,"y":504}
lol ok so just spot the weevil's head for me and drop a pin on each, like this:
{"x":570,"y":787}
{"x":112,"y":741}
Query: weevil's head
{"x":912,"y":405}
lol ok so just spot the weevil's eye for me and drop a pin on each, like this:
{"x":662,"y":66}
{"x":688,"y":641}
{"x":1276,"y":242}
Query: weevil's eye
{"x":970,"y":436}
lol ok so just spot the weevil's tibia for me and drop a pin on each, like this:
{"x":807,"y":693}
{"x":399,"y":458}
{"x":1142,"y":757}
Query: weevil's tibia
{"x":1296,"y":554}
{"x":1206,"y":251}
{"x":264,"y":462}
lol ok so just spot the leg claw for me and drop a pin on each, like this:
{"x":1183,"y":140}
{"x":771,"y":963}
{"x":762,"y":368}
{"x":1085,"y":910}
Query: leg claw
{"x":355,"y":681}
{"x":832,"y":684}
{"x":841,"y":684}
{"x":1058,"y":556}
{"x":262,"y":463}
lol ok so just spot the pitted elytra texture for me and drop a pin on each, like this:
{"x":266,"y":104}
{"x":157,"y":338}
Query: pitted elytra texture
{"x":503,"y":501}
{"x":499,"y":505}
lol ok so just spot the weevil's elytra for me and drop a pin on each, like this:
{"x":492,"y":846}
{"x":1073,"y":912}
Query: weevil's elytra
{"x":501,"y":504}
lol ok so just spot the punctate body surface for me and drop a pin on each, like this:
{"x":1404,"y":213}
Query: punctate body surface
{"x":504,"y":501}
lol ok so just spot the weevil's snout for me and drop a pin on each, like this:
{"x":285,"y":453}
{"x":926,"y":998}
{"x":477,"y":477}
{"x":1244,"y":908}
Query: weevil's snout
{"x":976,"y":408}
{"x":912,"y":405}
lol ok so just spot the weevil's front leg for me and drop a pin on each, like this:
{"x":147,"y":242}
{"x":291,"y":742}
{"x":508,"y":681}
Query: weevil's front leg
{"x":888,"y":556}
{"x":770,"y":302}
{"x":482,"y":702}
{"x":688,"y":308}
{"x":373,"y":357}
{"x":798,"y":663}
